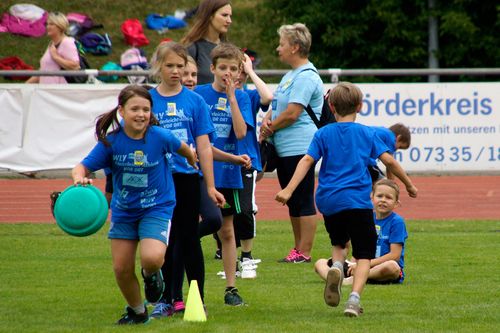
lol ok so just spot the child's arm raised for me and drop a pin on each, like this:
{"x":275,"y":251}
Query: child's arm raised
{"x":395,"y":168}
{"x":300,"y":172}
{"x":266,"y":95}
{"x":239,"y":124}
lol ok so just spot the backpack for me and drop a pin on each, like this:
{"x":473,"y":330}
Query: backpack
{"x":133,"y":33}
{"x":327,"y":116}
{"x":80,"y":24}
{"x":18,"y":26}
{"x":163,"y":24}
{"x":84,"y":64}
{"x":134,"y":59}
{"x":96,"y":43}
{"x":14,"y":63}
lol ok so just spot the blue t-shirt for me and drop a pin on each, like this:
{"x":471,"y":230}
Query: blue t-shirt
{"x":388,"y":137}
{"x":227,"y":175}
{"x":391,"y":230}
{"x":142,"y":181}
{"x":301,"y":86}
{"x":344,"y":181}
{"x":250,"y":144}
{"x":186,"y":116}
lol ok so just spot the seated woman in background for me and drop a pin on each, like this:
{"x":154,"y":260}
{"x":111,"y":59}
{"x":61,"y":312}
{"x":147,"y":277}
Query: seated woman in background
{"x":60,"y":54}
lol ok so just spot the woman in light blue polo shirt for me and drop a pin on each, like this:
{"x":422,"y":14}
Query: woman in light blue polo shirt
{"x":292,"y":129}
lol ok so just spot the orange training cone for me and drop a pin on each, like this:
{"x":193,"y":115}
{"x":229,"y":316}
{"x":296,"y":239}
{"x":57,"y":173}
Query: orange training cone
{"x":194,"y":306}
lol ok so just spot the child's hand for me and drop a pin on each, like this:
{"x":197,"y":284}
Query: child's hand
{"x":217,"y":197}
{"x":247,"y":64}
{"x":412,"y":191}
{"x":230,"y":86}
{"x":193,"y":157}
{"x":79,"y":180}
{"x":245,"y":161}
{"x":283,"y":196}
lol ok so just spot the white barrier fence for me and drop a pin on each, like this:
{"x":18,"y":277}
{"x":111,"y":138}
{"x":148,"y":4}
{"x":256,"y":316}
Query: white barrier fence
{"x":455,"y":126}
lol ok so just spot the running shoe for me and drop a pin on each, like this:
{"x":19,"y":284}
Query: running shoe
{"x":132,"y":318}
{"x":162,"y":309}
{"x":232,"y":298}
{"x":352,"y":309}
{"x":179,"y":306}
{"x":153,"y":286}
{"x":333,"y":286}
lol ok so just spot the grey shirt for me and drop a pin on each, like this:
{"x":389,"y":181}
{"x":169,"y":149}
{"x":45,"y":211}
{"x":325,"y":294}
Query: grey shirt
{"x":200,"y":51}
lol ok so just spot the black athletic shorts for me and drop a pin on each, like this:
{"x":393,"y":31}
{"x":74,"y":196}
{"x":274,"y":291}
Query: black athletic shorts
{"x":232,"y":206}
{"x":302,"y":201}
{"x":244,"y":223}
{"x":356,"y":225}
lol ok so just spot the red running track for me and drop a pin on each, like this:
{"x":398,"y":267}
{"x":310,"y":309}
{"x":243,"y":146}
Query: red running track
{"x":439,"y":198}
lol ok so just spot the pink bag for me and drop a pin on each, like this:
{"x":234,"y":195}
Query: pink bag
{"x":22,"y":27}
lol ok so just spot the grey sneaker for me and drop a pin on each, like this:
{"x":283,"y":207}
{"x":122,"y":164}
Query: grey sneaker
{"x":333,"y":286}
{"x":352,"y":309}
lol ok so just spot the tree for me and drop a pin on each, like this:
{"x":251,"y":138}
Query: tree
{"x":390,"y":33}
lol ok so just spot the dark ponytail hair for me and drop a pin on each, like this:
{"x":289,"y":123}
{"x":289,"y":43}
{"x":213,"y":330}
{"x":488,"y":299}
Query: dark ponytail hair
{"x":110,"y":119}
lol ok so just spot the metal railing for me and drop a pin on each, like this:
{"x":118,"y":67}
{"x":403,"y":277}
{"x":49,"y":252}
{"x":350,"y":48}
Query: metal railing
{"x":332,"y":73}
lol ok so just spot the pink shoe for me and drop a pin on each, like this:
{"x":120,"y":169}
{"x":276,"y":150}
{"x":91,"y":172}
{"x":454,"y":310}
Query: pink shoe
{"x":179,"y":306}
{"x":291,"y":257}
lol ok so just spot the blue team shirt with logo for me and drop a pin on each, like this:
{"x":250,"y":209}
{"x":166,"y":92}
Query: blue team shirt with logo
{"x":227,"y":175}
{"x":186,"y":115}
{"x":142,"y":181}
{"x":388,"y":137}
{"x":391,"y":230}
{"x":344,"y":181}
{"x":250,"y":144}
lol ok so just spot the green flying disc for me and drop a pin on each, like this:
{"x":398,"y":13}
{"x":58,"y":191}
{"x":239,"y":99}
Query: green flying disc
{"x":81,"y":210}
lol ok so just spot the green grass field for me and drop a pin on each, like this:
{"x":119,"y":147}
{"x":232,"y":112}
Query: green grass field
{"x":52,"y":282}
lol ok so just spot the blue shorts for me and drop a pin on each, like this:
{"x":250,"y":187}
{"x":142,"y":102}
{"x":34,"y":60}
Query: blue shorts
{"x":148,"y":227}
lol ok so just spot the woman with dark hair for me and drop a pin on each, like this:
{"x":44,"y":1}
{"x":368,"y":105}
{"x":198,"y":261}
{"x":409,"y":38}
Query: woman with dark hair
{"x":211,"y":24}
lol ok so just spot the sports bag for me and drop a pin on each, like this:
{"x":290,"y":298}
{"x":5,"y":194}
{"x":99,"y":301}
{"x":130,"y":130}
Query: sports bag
{"x":14,"y":63}
{"x":133,"y":33}
{"x":96,"y":43}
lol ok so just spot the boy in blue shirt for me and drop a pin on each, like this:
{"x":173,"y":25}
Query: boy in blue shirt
{"x":344,"y":187}
{"x":396,"y":137}
{"x":231,"y":114}
{"x":388,"y":265}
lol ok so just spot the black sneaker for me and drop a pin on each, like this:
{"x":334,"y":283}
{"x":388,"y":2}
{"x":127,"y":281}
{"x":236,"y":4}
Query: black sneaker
{"x":232,"y":297}
{"x":218,"y":254}
{"x":153,"y":286}
{"x":132,"y":318}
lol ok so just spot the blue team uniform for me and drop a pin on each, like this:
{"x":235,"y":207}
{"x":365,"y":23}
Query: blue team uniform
{"x":388,"y":137}
{"x":142,"y":180}
{"x":344,"y":180}
{"x":186,"y":115}
{"x":250,"y":144}
{"x":227,"y":175}
{"x":390,"y":230}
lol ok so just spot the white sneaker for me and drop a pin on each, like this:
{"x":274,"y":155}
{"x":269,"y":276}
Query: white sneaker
{"x":222,"y":274}
{"x":248,"y":268}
